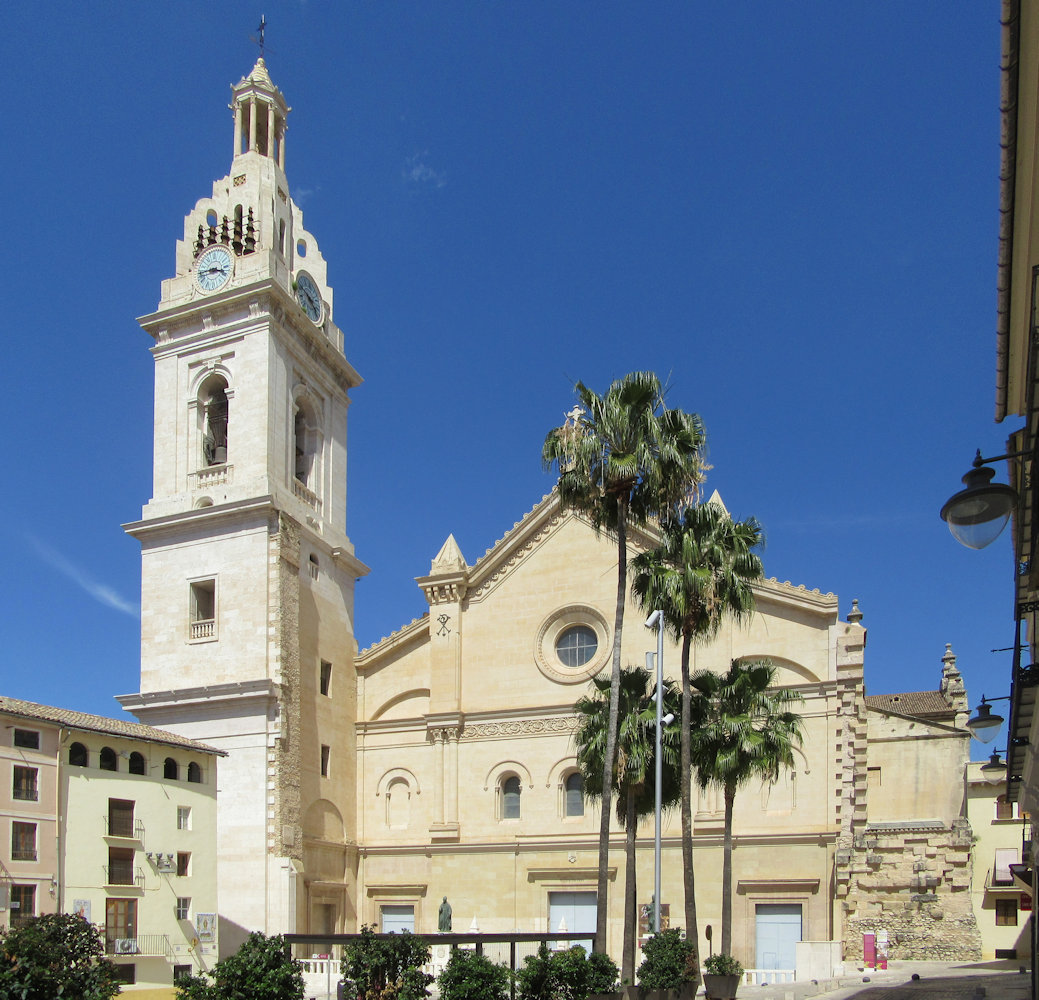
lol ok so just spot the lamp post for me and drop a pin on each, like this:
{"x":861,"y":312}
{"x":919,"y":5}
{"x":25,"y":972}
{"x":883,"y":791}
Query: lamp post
{"x":656,"y":620}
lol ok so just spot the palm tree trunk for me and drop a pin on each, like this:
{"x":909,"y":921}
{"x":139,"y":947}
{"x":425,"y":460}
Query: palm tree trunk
{"x":730,"y":797}
{"x":688,"y":880}
{"x":610,"y":756}
{"x":630,"y":904}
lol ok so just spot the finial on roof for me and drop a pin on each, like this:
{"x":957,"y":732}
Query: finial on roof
{"x":952,"y":680}
{"x":716,"y":501}
{"x":449,"y":559}
{"x":855,"y":615}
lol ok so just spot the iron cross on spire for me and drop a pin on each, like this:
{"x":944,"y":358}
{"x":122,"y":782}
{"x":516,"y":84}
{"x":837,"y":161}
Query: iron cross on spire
{"x":258,"y":38}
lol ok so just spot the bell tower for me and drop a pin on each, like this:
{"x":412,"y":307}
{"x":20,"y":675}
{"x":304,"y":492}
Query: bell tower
{"x":247,"y":573}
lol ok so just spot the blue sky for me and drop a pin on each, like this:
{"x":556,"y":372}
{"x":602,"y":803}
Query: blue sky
{"x":788,"y":211}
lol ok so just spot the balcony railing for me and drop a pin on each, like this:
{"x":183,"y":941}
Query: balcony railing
{"x":124,"y":874}
{"x":768,"y":977}
{"x":308,"y":496}
{"x":203,"y":629}
{"x":1000,"y":879}
{"x":215,"y":475}
{"x":27,"y":793}
{"x":23,"y":854}
{"x":142,"y":944}
{"x":124,"y":826}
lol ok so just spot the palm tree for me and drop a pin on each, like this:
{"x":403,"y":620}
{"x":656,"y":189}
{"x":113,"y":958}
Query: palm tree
{"x":634,"y":783}
{"x":743,"y":727}
{"x":622,"y":459}
{"x":699,"y":574}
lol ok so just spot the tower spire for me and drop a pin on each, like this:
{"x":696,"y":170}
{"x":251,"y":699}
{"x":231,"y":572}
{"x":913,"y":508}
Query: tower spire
{"x":260,"y":114}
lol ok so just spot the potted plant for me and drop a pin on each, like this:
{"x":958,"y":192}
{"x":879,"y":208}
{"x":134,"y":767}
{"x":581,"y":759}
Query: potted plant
{"x":667,"y":966}
{"x":722,"y":975}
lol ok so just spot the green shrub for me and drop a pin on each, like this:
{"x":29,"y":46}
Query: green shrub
{"x":261,"y":969}
{"x":55,"y":955}
{"x":565,"y":975}
{"x":535,"y":980}
{"x":722,"y":965}
{"x":667,"y":962}
{"x":469,"y":976}
{"x":387,"y":968}
{"x":602,"y":973}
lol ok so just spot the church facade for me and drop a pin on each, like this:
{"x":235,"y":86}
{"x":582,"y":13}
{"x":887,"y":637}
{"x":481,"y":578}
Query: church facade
{"x":364,"y":787}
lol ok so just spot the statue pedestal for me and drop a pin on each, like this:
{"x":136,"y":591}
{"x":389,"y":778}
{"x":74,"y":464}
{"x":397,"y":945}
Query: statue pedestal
{"x":438,"y":960}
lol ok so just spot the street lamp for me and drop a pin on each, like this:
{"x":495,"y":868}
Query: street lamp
{"x":977,"y":515}
{"x":995,"y":770}
{"x":656,"y":620}
{"x":984,"y":726}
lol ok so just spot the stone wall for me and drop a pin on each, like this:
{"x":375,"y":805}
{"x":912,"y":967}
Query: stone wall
{"x":912,"y":880}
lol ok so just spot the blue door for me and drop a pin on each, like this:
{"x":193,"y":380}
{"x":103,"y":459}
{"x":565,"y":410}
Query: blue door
{"x":777,"y":931}
{"x":576,"y":912}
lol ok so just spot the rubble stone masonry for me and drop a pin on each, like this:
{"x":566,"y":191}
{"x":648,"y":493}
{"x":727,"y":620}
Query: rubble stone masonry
{"x":913,"y":881}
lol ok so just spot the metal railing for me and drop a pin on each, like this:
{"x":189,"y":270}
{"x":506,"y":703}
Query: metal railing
{"x":506,"y":946}
{"x":124,"y":874}
{"x":150,"y":945}
{"x":125,"y":827}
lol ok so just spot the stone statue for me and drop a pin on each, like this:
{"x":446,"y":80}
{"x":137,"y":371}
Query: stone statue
{"x":444,"y":917}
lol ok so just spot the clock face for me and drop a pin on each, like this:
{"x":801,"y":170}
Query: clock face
{"x":308,"y":296}
{"x":213,"y":268}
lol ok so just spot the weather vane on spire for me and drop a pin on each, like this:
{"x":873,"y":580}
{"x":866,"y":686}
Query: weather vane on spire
{"x":261,"y":29}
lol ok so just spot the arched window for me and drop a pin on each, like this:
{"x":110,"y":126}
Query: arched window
{"x":510,"y":798}
{"x":170,"y":769}
{"x":304,"y":441}
{"x":194,"y":773}
{"x":136,"y":763}
{"x":78,"y":755}
{"x":109,"y":761}
{"x":213,"y":398}
{"x":574,"y":788}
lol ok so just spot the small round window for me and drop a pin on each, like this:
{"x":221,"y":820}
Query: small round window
{"x":576,"y":645}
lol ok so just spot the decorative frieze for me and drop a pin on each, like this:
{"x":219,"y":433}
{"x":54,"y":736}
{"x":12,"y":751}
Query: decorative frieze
{"x":523,"y":727}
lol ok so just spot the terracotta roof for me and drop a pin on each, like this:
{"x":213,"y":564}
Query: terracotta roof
{"x":911,"y":703}
{"x":99,"y":724}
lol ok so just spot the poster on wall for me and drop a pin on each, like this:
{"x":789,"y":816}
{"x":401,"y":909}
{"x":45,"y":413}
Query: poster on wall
{"x":646,"y":920}
{"x":81,"y":908}
{"x":205,"y":926}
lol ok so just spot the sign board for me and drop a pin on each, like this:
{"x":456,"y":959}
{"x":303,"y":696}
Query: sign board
{"x":646,"y":920}
{"x":205,"y":926}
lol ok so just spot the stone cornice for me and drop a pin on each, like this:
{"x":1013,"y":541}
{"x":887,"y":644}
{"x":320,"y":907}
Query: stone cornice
{"x":262,"y":690}
{"x":243,"y":308}
{"x":590,"y":842}
{"x":416,"y":629}
{"x":152,"y":525}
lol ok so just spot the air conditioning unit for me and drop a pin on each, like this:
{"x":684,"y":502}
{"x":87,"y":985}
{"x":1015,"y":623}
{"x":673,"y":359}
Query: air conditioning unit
{"x":126,"y":946}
